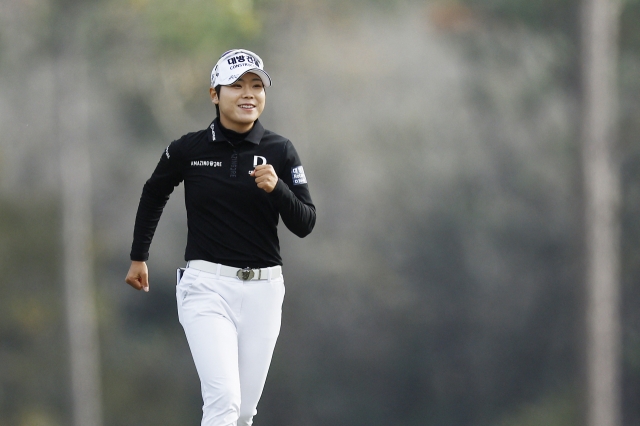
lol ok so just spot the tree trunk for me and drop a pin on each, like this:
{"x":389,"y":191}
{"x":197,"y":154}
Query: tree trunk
{"x":600,"y":21}
{"x":75,"y":172}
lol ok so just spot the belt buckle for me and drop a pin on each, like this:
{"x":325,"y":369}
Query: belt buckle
{"x":245,"y":274}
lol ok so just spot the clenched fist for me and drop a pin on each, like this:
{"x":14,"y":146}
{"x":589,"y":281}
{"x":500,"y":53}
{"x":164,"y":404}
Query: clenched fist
{"x":266,"y":177}
{"x":138,"y":276}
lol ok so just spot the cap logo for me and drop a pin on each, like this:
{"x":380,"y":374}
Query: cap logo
{"x":242,"y":58}
{"x":223,"y":73}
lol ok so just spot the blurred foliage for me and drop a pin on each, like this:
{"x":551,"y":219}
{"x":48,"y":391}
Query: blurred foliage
{"x":558,"y":15}
{"x":561,"y":16}
{"x":630,"y":170}
{"x":32,"y":334}
{"x":629,"y":34}
{"x":554,"y":410}
{"x":195,"y":26}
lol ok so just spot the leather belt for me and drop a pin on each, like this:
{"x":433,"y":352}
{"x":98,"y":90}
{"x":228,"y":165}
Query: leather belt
{"x":244,"y":274}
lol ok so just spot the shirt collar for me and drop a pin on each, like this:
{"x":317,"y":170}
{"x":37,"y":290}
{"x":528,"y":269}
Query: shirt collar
{"x":215,"y":132}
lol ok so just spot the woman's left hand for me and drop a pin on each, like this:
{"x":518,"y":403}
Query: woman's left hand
{"x":266,"y":177}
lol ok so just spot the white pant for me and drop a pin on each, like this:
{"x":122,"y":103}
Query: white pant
{"x":231,"y":326}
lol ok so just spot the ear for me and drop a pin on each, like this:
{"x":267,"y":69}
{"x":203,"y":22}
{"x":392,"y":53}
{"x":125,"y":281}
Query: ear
{"x":214,"y":95}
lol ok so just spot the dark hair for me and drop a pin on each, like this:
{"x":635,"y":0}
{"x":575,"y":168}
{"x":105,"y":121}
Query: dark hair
{"x":217,"y":89}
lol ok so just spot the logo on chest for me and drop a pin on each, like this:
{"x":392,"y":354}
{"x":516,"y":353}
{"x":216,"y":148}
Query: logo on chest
{"x":257,"y":160}
{"x":206,"y":163}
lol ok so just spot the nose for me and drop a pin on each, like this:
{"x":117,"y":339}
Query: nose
{"x":247,"y":92}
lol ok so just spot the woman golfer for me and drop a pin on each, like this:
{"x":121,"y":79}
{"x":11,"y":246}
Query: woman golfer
{"x":239,"y":180}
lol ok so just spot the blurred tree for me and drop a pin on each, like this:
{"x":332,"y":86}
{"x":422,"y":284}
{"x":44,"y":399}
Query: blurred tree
{"x":602,"y":198}
{"x":600,"y":32}
{"x":71,"y":129}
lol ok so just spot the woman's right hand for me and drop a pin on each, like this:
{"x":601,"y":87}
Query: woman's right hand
{"x":138,"y":276}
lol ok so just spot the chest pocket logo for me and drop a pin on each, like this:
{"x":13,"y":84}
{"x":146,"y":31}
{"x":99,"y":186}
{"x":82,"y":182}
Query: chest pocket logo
{"x":258,"y":160}
{"x":206,"y":163}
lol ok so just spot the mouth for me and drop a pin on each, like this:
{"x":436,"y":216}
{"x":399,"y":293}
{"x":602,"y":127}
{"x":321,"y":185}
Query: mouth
{"x":246,"y":106}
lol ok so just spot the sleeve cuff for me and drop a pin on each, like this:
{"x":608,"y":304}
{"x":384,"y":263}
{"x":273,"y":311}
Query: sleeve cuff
{"x":279,"y":190}
{"x":139,"y":257}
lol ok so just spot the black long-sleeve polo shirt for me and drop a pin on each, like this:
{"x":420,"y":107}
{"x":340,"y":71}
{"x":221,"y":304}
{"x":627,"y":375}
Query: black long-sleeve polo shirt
{"x":230,"y":220}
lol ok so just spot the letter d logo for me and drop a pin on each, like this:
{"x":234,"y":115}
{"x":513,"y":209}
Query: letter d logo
{"x":256,"y":159}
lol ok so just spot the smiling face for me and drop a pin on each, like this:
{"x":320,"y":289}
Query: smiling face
{"x":240,"y":103}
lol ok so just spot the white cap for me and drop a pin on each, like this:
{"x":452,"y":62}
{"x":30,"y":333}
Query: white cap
{"x":233,"y":64}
